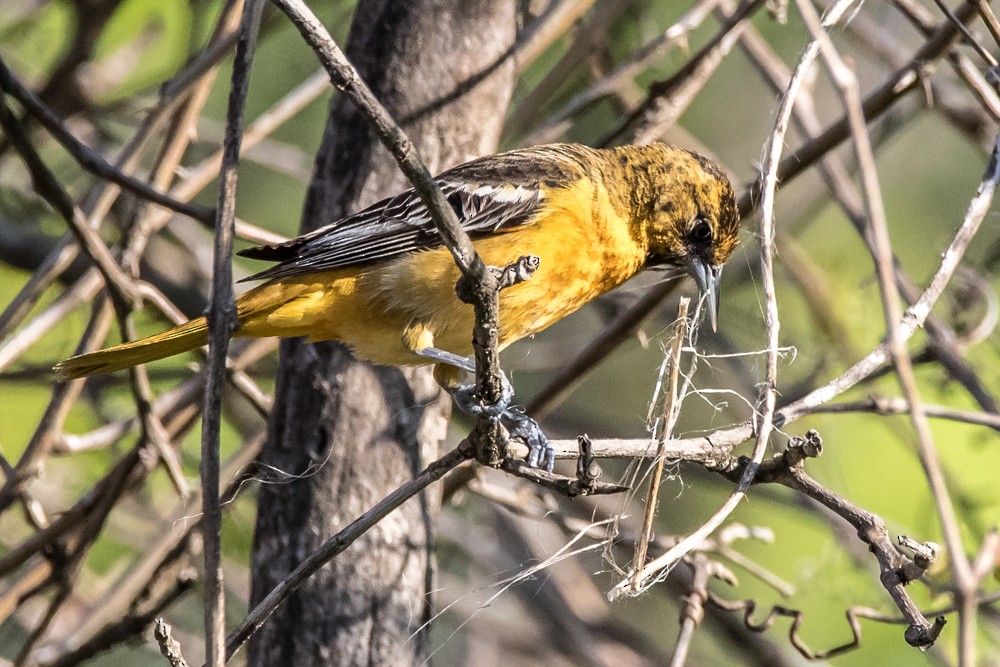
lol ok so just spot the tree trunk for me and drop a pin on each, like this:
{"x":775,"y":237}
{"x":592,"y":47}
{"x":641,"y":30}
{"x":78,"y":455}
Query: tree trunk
{"x":344,"y":433}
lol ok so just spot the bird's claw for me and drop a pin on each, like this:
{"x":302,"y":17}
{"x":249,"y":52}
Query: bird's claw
{"x":469,"y":401}
{"x":521,"y":426}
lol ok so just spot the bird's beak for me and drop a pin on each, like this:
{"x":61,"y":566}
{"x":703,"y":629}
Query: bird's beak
{"x":707,"y":277}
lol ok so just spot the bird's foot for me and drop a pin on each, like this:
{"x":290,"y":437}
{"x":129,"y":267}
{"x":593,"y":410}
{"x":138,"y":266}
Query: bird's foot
{"x":465,"y":396}
{"x":468,"y":400}
{"x":521,"y":426}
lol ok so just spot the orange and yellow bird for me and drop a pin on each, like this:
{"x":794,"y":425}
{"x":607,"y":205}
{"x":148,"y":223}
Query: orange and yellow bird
{"x":382,"y":282}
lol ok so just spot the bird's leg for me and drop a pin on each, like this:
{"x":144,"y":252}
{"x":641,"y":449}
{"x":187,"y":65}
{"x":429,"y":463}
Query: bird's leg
{"x":520,"y":425}
{"x":464,"y":395}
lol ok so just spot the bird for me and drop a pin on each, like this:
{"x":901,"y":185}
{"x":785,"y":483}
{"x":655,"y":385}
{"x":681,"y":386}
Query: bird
{"x":382,"y":282}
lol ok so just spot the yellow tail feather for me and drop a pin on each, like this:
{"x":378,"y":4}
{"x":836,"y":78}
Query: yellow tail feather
{"x":271,"y":309}
{"x":182,"y":338}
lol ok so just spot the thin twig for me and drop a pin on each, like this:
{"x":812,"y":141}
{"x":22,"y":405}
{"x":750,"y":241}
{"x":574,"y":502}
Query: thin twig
{"x":839,"y":182}
{"x":124,"y":290}
{"x":103,"y":626}
{"x":195,"y":179}
{"x":338,"y":543}
{"x":670,"y":413}
{"x":897,"y":85}
{"x":173,"y":99}
{"x":222,"y":323}
{"x":693,"y":610}
{"x":661,"y":91}
{"x":557,"y":19}
{"x":896,"y":570}
{"x":915,"y":315}
{"x":881,"y":405}
{"x":705,"y":449}
{"x":132,"y":624}
{"x":969,"y":38}
{"x":990,"y":19}
{"x":170,"y":648}
{"x":847,"y":85}
{"x":675,"y":95}
{"x":623,"y":75}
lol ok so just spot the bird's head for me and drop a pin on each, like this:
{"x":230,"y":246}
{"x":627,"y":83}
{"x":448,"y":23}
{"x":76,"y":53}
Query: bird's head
{"x":689,"y":216}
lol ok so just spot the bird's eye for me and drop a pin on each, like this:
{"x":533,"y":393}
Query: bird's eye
{"x":701,"y":232}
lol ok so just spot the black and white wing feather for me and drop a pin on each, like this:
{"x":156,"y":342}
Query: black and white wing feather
{"x":489,"y":195}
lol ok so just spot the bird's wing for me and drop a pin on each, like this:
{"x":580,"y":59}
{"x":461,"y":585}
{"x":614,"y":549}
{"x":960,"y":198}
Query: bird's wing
{"x":494,"y":194}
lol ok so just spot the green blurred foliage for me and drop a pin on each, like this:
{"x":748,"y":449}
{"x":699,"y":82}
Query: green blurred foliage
{"x":34,"y":39}
{"x":928,"y":174}
{"x":152,"y":36}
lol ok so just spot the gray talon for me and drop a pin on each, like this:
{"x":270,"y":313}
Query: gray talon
{"x":469,"y":402}
{"x":524,"y":428}
{"x":520,"y":425}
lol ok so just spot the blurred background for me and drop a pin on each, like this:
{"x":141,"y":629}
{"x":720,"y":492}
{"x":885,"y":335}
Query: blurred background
{"x":101,"y":66}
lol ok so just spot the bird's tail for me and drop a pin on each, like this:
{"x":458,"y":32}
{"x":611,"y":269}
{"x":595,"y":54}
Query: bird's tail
{"x":182,"y":338}
{"x":284,"y":309}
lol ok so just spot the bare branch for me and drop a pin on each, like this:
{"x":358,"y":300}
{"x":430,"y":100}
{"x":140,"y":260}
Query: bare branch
{"x":170,"y":648}
{"x":222,"y":323}
{"x":337,"y":543}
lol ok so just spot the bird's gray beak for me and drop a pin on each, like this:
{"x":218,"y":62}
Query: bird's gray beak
{"x":707,"y":277}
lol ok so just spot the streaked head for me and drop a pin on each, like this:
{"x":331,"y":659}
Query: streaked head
{"x":688,"y":211}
